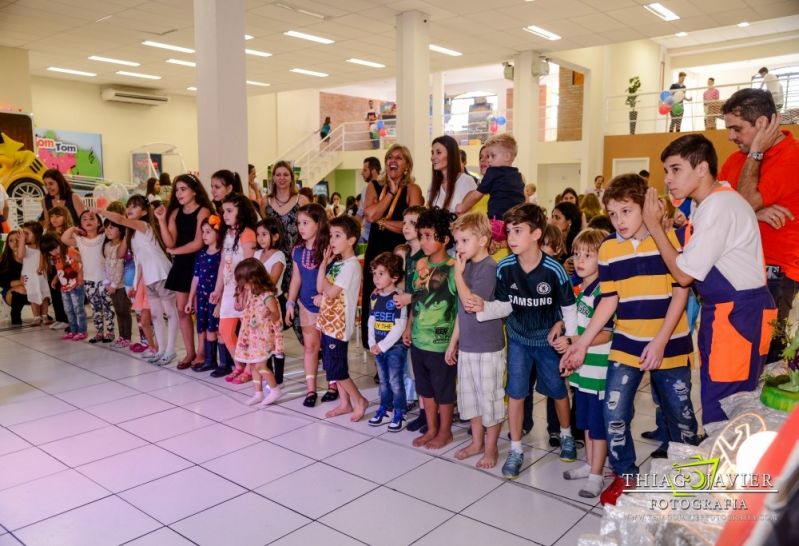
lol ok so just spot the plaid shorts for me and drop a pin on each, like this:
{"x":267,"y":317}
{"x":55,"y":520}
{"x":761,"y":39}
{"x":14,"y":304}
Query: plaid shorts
{"x":481,"y":386}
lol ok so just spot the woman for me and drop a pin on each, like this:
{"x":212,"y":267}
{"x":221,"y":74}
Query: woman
{"x":484,"y":164}
{"x":385,"y":202}
{"x":3,"y":210}
{"x":255,"y":194}
{"x":11,"y":283}
{"x":58,"y":193}
{"x":325,"y":130}
{"x":567,"y":217}
{"x":222,"y":183}
{"x":591,"y":207}
{"x":334,"y":208}
{"x":179,"y":224}
{"x":450,"y":183}
{"x":570,"y":196}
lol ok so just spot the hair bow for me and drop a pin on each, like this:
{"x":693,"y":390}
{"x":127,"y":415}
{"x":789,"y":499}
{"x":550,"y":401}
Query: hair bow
{"x":214,"y":221}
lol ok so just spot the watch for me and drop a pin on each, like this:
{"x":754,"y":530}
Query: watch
{"x":757,"y":156}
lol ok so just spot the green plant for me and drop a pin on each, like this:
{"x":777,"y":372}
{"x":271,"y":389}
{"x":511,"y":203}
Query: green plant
{"x":632,"y":92}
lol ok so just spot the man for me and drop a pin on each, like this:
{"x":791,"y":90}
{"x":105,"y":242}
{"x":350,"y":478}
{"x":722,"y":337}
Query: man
{"x":772,"y":83}
{"x":597,"y":190}
{"x":763,"y":170}
{"x":712,"y":105}
{"x":370,"y":171}
{"x":678,"y":92}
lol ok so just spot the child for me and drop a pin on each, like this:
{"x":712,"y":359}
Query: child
{"x":143,"y":239}
{"x":434,"y":308}
{"x":34,"y":268}
{"x":206,"y":271}
{"x":154,"y":192}
{"x":589,"y":378}
{"x":481,"y":358}
{"x":69,"y":274}
{"x":59,"y":220}
{"x":89,"y":239}
{"x":650,"y":334}
{"x":255,"y":294}
{"x":308,"y":253}
{"x":536,"y":292}
{"x":386,"y":325}
{"x":723,"y":258}
{"x":269,"y":237}
{"x":238,"y":236}
{"x":530,"y":195}
{"x":552,"y":242}
{"x":114,"y":254}
{"x":338,"y":284}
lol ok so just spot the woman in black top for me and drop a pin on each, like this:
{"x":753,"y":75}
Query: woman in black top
{"x":11,"y":283}
{"x":58,"y":193}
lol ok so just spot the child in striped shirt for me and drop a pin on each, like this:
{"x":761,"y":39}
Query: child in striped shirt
{"x":589,"y":379}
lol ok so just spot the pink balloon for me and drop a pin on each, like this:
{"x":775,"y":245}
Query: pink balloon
{"x":493,"y":127}
{"x":664,"y":108}
{"x":102,"y":202}
{"x":383,"y":132}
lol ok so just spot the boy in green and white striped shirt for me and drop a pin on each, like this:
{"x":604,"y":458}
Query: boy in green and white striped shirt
{"x":589,"y":379}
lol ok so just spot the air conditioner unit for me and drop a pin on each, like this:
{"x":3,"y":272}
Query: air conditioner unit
{"x":540,"y":67}
{"x":135,"y":97}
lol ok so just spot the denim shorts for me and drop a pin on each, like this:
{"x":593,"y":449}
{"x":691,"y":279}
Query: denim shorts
{"x":590,"y":414}
{"x":334,"y":358}
{"x":521,"y":359}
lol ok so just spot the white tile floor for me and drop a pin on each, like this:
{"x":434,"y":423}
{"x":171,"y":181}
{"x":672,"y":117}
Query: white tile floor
{"x":97,"y":447}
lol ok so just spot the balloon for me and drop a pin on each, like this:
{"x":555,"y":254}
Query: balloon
{"x":101,"y":202}
{"x":490,"y":119}
{"x":494,"y":127}
{"x":501,"y":120}
{"x":664,"y":108}
{"x":679,"y":95}
{"x":383,"y":132}
{"x":676,"y":109}
{"x":669,"y":100}
{"x":380,"y":124}
{"x":117,"y":192}
{"x":664,"y":95}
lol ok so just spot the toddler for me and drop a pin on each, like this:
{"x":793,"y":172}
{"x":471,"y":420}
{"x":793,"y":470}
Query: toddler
{"x":69,"y":275}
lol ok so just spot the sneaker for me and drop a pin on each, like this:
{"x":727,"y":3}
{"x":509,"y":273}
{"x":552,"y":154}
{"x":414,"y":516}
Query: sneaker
{"x":513,"y":465}
{"x":661,"y":452}
{"x":650,"y":434}
{"x":397,"y":423}
{"x":417,"y":423}
{"x":154,"y":358}
{"x":120,"y":343}
{"x":379,"y":418}
{"x":554,"y":439}
{"x":147,"y":354}
{"x":80,"y":337}
{"x":58,"y":325}
{"x":68,"y":336}
{"x":568,"y":451}
{"x":165,"y":359}
{"x":96,"y":339}
{"x":138,"y":347}
{"x":612,"y":493}
{"x":108,"y":338}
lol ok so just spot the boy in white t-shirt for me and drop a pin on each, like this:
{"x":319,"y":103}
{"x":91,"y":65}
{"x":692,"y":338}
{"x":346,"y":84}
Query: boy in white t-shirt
{"x":723,"y":256}
{"x":338,"y":284}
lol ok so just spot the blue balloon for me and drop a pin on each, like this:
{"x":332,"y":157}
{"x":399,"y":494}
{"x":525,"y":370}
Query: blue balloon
{"x":380,"y":124}
{"x":501,"y":120}
{"x":669,"y":100}
{"x":664,"y":95}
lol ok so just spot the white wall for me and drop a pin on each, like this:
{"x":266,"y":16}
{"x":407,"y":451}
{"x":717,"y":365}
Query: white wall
{"x":553,"y":179}
{"x":297,"y":117}
{"x":262,"y":131}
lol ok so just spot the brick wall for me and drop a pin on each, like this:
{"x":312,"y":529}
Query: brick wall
{"x":344,"y":108}
{"x":542,"y":102}
{"x":570,"y":110}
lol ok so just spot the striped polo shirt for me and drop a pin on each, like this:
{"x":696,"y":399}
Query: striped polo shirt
{"x":635,"y":272}
{"x":590,"y":377}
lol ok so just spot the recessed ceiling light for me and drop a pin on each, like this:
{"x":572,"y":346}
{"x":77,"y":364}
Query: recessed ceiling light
{"x":743,"y":24}
{"x":311,"y":37}
{"x":170,"y":47}
{"x":257,"y":53}
{"x":181,"y":62}
{"x":248,"y":36}
{"x":298,"y":10}
{"x":309,"y":72}
{"x":542,"y":33}
{"x":138,"y":75}
{"x":681,"y":34}
{"x":661,"y":11}
{"x":192,"y":88}
{"x":366,"y":63}
{"x":444,"y":50}
{"x":112,"y":61}
{"x":70,"y":71}
{"x":258,"y":84}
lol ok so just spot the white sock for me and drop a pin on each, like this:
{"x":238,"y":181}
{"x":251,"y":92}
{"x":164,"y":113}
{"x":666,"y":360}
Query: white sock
{"x":257,"y":397}
{"x":592,"y":487}
{"x":577,"y":473}
{"x":516,"y":446}
{"x":273,"y":395}
{"x":567,"y":431}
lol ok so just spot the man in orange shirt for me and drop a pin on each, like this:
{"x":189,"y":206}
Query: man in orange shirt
{"x":765,"y":171}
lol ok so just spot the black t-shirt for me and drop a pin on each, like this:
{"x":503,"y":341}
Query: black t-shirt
{"x":505,"y":187}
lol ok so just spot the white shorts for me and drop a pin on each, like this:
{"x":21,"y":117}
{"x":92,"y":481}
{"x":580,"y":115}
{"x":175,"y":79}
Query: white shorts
{"x":481,"y":386}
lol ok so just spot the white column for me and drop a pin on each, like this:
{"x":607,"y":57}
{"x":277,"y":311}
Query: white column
{"x":525,"y":114}
{"x":221,"y":93}
{"x":413,"y":96}
{"x":437,"y":92}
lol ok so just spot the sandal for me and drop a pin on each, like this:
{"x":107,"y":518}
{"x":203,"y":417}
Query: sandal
{"x":234,"y":374}
{"x":185,"y":363}
{"x":96,"y":339}
{"x":310,"y":400}
{"x":242,"y":378}
{"x":330,"y":395}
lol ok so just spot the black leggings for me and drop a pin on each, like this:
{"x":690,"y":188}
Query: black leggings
{"x":18,"y":302}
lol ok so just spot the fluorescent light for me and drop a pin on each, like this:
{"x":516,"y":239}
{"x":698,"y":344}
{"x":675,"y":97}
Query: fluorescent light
{"x":138,"y":75}
{"x":444,"y":50}
{"x":309,"y":13}
{"x":113,"y":61}
{"x":309,"y":72}
{"x":258,"y":84}
{"x":542,"y":33}
{"x":70,"y":71}
{"x":681,"y":34}
{"x":366,"y":63}
{"x":181,"y":62}
{"x":257,"y":53}
{"x":192,"y":88}
{"x":170,"y":47}
{"x":311,"y":37}
{"x":248,"y":36}
{"x":743,"y":24}
{"x":101,"y":19}
{"x":661,"y":11}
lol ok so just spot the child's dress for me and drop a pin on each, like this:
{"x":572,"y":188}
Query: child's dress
{"x":35,"y":283}
{"x":256,"y":342}
{"x":232,"y":254}
{"x":206,"y":269}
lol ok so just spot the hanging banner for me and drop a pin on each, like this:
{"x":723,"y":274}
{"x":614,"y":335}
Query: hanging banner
{"x":71,"y":153}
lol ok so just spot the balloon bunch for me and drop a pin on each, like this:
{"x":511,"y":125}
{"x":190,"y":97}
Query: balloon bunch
{"x":671,"y":103}
{"x":103,"y":195}
{"x":379,"y":127}
{"x":495,"y":122}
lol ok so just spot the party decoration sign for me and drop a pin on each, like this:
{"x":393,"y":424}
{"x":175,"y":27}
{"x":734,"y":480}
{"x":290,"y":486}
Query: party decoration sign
{"x":70,"y":152}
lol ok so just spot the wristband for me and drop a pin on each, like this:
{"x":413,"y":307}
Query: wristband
{"x":290,"y":303}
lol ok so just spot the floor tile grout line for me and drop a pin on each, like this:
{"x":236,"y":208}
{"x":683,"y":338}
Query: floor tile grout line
{"x":167,"y":527}
{"x":576,"y":523}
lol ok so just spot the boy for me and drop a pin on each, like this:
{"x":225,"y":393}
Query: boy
{"x":723,"y":257}
{"x":589,"y":379}
{"x":481,"y":358}
{"x":650,"y":334}
{"x":338,"y":284}
{"x":433,"y":312}
{"x":386,"y":326}
{"x":535,"y":293}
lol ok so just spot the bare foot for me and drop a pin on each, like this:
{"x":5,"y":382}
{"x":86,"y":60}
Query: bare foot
{"x":469,"y":451}
{"x":423,"y":440}
{"x":339,"y":410}
{"x":489,"y":459}
{"x":199,"y":359}
{"x":360,"y":408}
{"x":441,"y":439}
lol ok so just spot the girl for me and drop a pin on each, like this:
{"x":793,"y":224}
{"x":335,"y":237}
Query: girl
{"x":89,"y":241}
{"x":11,"y":281}
{"x":142,"y":239}
{"x":238,"y":236}
{"x":255,"y":294}
{"x":314,"y":236}
{"x":269,"y":236}
{"x":223,"y":183}
{"x":60,"y":220}
{"x":449,"y":183}
{"x":114,"y":255}
{"x":34,"y":270}
{"x":180,"y":225}
{"x":154,"y":192}
{"x":69,"y":274}
{"x":206,"y":270}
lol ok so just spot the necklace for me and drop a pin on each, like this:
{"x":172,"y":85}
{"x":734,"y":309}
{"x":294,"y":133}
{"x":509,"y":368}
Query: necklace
{"x":307,"y":258}
{"x":281,"y":203}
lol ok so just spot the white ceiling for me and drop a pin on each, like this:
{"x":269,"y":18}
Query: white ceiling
{"x":65,"y":32}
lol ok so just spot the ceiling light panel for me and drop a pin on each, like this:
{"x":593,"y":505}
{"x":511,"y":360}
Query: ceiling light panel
{"x":661,"y":11}
{"x":309,"y":37}
{"x":112,"y":61}
{"x":309,"y":72}
{"x":366,"y":63}
{"x":70,"y":71}
{"x":257,"y":53}
{"x":170,"y":47}
{"x":138,"y":75}
{"x":257,"y":84}
{"x":444,"y":50}
{"x":542,"y":33}
{"x":181,"y":62}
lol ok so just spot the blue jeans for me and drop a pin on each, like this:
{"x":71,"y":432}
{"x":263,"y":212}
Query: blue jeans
{"x":74,"y":307}
{"x":391,"y":369}
{"x":673,"y":388}
{"x":521,"y":359}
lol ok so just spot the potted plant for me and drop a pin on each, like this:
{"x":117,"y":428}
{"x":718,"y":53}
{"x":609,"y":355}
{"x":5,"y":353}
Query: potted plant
{"x":632,"y":100}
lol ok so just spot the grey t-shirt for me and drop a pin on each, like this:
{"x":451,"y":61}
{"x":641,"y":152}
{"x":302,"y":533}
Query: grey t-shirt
{"x":480,"y":337}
